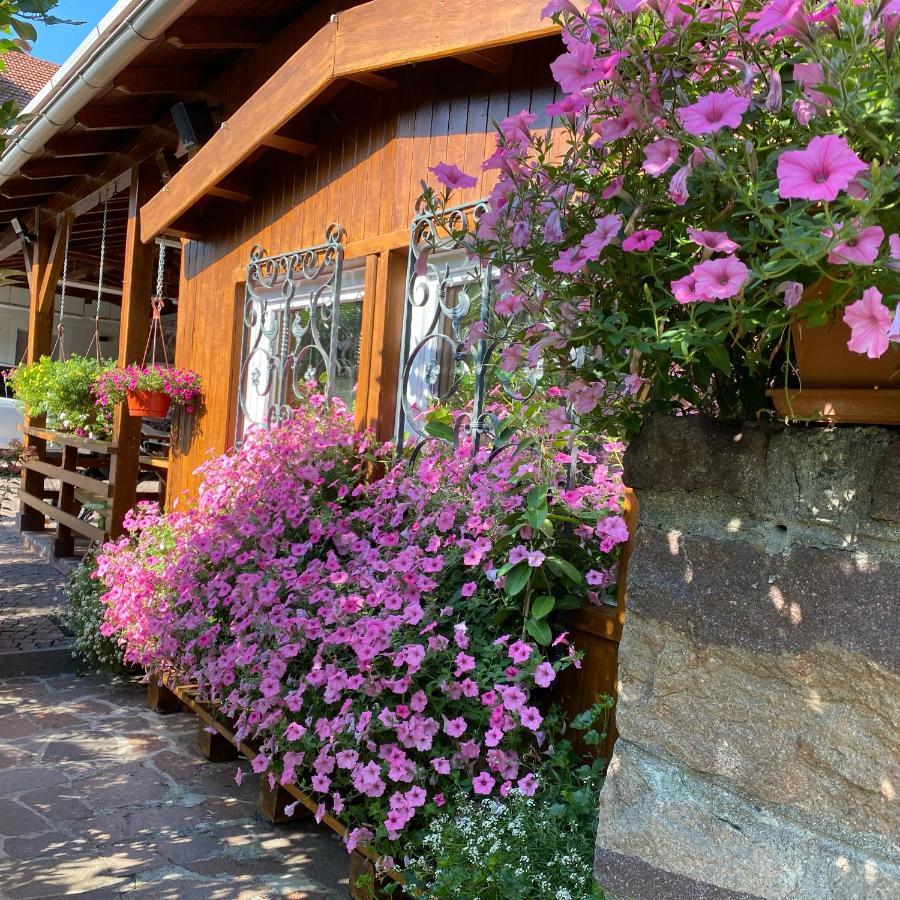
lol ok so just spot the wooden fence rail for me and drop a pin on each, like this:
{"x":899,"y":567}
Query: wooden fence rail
{"x":76,"y":488}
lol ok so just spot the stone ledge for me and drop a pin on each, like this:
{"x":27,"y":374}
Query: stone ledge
{"x":734,"y":594}
{"x":706,"y":837}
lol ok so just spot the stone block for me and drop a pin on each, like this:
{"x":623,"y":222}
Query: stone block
{"x":886,"y":494}
{"x":669,"y":833}
{"x":810,"y":734}
{"x":693,"y":453}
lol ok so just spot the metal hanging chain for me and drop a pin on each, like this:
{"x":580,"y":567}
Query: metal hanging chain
{"x":59,"y":348}
{"x":95,"y":340}
{"x":156,"y":304}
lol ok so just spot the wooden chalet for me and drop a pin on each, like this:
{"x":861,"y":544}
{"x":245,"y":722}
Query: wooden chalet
{"x":306,"y":131}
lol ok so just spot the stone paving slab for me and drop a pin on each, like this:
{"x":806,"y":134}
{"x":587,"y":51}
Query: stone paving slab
{"x":33,"y":638}
{"x":102,"y":798}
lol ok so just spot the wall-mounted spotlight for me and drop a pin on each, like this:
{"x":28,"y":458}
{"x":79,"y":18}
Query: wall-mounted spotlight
{"x":22,"y":232}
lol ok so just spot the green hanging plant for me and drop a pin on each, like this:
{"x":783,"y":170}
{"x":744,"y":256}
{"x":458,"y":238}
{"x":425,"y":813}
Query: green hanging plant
{"x":61,"y":391}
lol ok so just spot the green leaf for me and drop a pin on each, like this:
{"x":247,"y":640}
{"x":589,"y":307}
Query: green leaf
{"x":719,"y":357}
{"x":517,"y":579}
{"x":537,"y":517}
{"x":564,"y":569}
{"x":539,"y":630}
{"x":24,"y":30}
{"x":537,"y":496}
{"x":543,"y":606}
{"x":440,"y":430}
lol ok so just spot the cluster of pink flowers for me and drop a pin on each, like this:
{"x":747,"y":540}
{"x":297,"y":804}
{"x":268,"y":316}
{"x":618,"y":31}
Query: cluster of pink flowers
{"x":701,"y":156}
{"x":368,"y":634}
{"x":182,"y":386}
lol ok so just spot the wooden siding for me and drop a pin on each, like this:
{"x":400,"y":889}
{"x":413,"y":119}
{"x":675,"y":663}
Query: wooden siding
{"x":373,"y":151}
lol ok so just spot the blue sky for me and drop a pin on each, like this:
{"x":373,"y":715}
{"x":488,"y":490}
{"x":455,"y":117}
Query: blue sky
{"x":56,"y":42}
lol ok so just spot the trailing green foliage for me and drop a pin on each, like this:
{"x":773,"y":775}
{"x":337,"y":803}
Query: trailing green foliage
{"x":84,"y":616}
{"x":518,"y":847}
{"x":61,"y":390}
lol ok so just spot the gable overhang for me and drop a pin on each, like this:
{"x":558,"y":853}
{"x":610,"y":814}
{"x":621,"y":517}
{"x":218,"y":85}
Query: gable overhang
{"x":365,"y":39}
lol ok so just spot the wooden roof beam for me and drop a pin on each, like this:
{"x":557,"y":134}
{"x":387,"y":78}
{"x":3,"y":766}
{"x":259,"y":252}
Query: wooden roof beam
{"x":374,"y":36}
{"x":116,"y":118}
{"x":377,"y":82}
{"x":232,"y":188}
{"x":48,"y":167}
{"x":84,"y":144}
{"x":288,"y":144}
{"x":218,"y":33}
{"x":177,"y":80}
{"x":494,"y":60}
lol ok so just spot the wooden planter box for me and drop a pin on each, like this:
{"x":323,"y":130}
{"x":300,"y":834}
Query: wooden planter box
{"x":217,"y":741}
{"x":597,"y":631}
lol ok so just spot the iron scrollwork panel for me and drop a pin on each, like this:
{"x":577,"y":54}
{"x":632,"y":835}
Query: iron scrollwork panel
{"x":291,"y":324}
{"x":451,"y":335}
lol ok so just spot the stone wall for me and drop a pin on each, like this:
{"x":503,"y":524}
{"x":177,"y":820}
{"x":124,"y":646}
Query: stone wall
{"x":759,"y":699}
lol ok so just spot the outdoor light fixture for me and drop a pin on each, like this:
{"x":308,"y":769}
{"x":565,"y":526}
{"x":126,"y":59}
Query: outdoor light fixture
{"x":22,"y":232}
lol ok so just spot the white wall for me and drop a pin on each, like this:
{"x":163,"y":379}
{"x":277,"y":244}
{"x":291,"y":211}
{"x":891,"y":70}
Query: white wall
{"x":78,"y":324}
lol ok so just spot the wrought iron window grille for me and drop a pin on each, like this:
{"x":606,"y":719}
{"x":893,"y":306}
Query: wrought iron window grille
{"x":291,"y":329}
{"x":452,"y":339}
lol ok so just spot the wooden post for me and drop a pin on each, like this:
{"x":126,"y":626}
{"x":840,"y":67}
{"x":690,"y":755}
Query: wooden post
{"x":134,"y":327}
{"x":380,"y":351}
{"x":212,"y":745}
{"x":43,"y":265}
{"x":64,"y":545}
{"x":159,"y":698}
{"x":271,"y":803}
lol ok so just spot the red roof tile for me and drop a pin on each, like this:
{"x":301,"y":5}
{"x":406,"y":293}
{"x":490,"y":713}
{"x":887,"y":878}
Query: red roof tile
{"x":23,"y":75}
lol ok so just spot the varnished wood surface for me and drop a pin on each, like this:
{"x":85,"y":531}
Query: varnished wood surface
{"x":371,"y":37}
{"x":373,"y":150}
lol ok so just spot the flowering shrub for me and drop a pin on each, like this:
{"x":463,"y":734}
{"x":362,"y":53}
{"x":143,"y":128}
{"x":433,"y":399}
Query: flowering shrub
{"x":383,"y":642}
{"x":182,"y":386}
{"x":62,"y":390}
{"x":11,"y":460}
{"x":85,"y":612}
{"x":518,"y":847}
{"x":708,"y":162}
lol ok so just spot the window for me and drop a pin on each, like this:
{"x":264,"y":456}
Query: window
{"x":289,"y":340}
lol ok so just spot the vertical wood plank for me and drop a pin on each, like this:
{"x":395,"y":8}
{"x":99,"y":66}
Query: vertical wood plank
{"x":134,"y":327}
{"x":43,"y":264}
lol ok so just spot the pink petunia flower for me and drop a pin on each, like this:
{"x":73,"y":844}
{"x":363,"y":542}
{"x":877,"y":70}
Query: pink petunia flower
{"x":544,"y":675}
{"x":717,"y":241}
{"x":483,"y":784}
{"x":714,"y":111}
{"x":452,"y":177}
{"x":578,"y":68}
{"x":678,"y":189}
{"x":893,"y":261}
{"x":820,"y":171}
{"x":660,"y":156}
{"x":870,"y":323}
{"x":861,"y":250}
{"x":641,"y":241}
{"x":606,"y":230}
{"x":685,"y":289}
{"x":721,"y":278}
{"x":527,"y":785}
{"x":792,"y":291}
{"x":808,"y":76}
{"x":519,"y":652}
{"x":894,"y":331}
{"x":776,"y":15}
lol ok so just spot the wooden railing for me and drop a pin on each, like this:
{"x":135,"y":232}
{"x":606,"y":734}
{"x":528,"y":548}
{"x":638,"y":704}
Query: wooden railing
{"x":76,"y":491}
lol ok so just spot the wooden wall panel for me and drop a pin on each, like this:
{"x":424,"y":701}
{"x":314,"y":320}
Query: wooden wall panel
{"x":373,"y":150}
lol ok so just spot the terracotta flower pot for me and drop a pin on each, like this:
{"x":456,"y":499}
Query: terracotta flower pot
{"x":152,"y":404}
{"x":836,"y":384}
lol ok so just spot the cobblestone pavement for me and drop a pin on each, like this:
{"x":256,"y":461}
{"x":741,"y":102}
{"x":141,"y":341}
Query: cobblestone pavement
{"x":31,"y":601}
{"x":103,"y":798}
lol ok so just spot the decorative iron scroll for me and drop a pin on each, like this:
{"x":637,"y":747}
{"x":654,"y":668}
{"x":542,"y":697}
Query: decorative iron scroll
{"x":452,"y":361}
{"x":291,"y":328}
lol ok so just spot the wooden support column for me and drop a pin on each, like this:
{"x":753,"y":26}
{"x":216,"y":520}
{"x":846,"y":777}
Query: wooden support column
{"x":134,"y":327}
{"x":43,"y":265}
{"x":380,"y":350}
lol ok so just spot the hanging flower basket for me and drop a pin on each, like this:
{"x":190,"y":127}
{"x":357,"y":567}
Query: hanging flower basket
{"x":150,"y":404}
{"x":149,"y":390}
{"x":836,"y":384}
